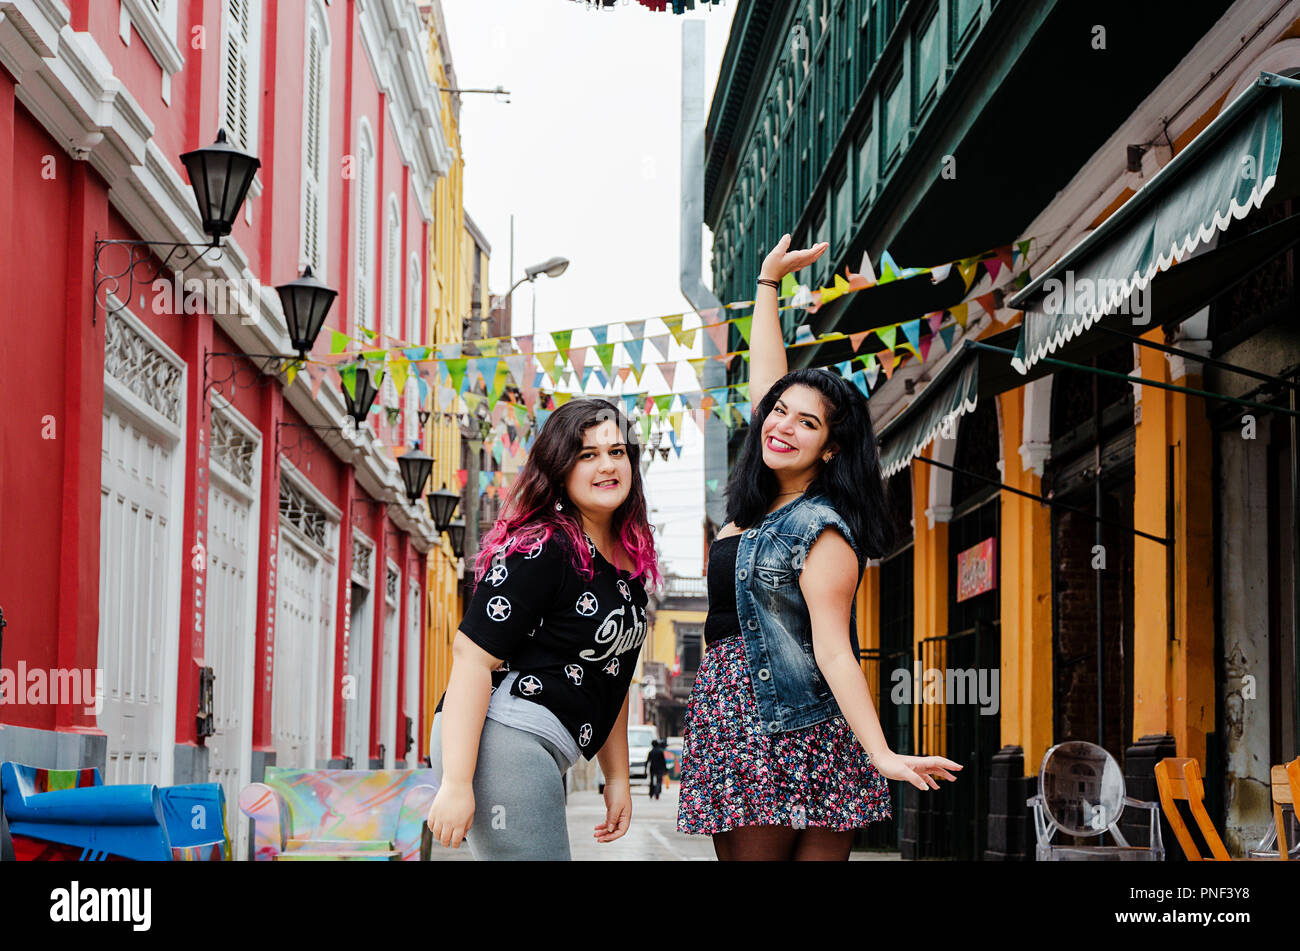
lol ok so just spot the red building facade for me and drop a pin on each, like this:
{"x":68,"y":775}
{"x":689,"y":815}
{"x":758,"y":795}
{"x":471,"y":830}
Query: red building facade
{"x":166,"y":511}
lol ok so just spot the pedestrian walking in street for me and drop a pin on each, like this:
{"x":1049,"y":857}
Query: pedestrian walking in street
{"x":544,"y":657}
{"x":783,"y":754}
{"x":658,"y":768}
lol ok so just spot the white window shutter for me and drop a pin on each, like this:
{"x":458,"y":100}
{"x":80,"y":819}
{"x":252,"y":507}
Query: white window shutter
{"x":238,"y":85}
{"x":313,"y":147}
{"x":413,"y":308}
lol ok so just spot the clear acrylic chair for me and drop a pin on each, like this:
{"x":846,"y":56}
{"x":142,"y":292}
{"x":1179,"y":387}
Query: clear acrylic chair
{"x":1081,"y":794}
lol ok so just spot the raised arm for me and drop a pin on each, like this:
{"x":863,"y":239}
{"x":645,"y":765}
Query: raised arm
{"x":767,"y":362}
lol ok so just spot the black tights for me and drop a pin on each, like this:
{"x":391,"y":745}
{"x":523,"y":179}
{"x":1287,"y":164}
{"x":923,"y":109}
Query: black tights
{"x":782,"y":844}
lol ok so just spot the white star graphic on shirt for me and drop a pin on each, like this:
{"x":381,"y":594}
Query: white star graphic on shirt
{"x":498,"y":608}
{"x":591,"y":546}
{"x":497,"y":575}
{"x":584,"y":734}
{"x":612,"y":667}
{"x":624,"y":590}
{"x":587,"y":604}
{"x":574,"y":673}
{"x":530,"y":685}
{"x":535,"y":550}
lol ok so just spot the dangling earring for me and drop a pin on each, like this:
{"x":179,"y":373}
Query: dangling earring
{"x":828,"y":458}
{"x":559,"y":506}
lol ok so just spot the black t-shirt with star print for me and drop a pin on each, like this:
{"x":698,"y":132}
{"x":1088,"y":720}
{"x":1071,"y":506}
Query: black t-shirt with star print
{"x":573,"y":641}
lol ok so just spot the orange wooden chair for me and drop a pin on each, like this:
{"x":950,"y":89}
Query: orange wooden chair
{"x":1179,"y":777}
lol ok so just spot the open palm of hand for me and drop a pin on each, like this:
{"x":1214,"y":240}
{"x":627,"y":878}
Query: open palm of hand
{"x":917,"y":770}
{"x":781,"y":261}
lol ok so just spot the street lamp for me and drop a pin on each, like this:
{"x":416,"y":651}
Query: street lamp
{"x":441,"y":504}
{"x":456,"y":535}
{"x":305,"y":302}
{"x":415,"y":467}
{"x":220,"y":175}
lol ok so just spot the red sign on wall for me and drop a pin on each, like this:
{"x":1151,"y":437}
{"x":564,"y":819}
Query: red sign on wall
{"x":977,"y":569}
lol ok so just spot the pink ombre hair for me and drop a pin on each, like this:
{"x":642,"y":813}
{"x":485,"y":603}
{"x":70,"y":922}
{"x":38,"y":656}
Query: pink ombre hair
{"x":530,"y":517}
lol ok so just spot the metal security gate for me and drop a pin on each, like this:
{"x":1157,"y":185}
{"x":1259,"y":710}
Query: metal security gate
{"x":230,"y":610}
{"x":139,"y":557}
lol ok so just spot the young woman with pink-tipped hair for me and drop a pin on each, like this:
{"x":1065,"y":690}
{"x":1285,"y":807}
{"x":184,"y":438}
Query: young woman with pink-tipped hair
{"x":557,"y":619}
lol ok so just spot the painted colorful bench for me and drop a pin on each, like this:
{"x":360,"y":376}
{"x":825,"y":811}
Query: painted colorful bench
{"x":70,"y":815}
{"x":339,"y":814}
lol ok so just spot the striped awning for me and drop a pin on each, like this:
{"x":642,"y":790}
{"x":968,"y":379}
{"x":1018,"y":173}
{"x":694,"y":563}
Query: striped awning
{"x":1231,"y":168}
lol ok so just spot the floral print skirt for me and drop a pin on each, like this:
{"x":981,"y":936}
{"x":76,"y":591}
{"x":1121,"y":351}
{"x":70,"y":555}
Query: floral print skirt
{"x":736,"y":774}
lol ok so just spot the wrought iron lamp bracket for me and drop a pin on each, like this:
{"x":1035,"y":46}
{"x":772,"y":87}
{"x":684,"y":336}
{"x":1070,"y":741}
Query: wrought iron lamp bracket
{"x":139,"y":254}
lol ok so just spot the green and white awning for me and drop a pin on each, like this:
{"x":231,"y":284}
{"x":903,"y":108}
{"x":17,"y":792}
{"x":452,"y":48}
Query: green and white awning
{"x":1222,"y":175}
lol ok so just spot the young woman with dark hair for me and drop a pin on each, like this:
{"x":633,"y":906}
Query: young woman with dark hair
{"x":557,"y":619}
{"x":783,"y":754}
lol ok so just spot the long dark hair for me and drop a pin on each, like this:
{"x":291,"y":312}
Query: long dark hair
{"x":851,"y":481}
{"x":530,"y":516}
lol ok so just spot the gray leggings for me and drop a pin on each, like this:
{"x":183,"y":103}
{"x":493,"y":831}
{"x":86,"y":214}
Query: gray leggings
{"x":518,"y":794}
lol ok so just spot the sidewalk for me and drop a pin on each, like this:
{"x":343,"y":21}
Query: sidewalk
{"x":652,"y":836}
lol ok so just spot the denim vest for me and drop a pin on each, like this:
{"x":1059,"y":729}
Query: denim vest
{"x":774,"y":623}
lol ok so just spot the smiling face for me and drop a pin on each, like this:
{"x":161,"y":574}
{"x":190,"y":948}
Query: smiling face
{"x":795,"y":431}
{"x":600,"y":480}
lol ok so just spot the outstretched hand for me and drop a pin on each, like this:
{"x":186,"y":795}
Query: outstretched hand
{"x":916,"y":770}
{"x":781,"y":261}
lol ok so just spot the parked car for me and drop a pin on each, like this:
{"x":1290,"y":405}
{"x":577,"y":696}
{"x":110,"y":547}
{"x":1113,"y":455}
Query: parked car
{"x":639,"y":738}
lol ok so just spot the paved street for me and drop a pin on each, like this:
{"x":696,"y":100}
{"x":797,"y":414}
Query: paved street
{"x":653,"y":835}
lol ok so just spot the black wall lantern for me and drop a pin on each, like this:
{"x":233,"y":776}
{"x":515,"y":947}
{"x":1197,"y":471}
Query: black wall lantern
{"x":415,"y":467}
{"x":305,"y":302}
{"x":220,"y":175}
{"x":441,"y":504}
{"x":363,"y":396}
{"x":456,"y":534}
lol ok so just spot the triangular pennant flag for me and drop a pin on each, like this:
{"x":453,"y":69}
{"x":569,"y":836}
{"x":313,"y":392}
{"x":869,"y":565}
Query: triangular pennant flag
{"x":291,"y":372}
{"x":600,"y":334}
{"x":561,"y":398}
{"x":888,"y":269}
{"x":578,"y":359}
{"x":946,"y":335}
{"x":518,"y":365}
{"x":634,"y":348}
{"x":1023,"y":248}
{"x":860,"y":381}
{"x":562,"y":338}
{"x":370,"y":334}
{"x":637,"y":371}
{"x":959,"y":312}
{"x":888,"y":364}
{"x":912,"y":331}
{"x":873,"y":373}
{"x":887,"y":335}
{"x":348,"y":377}
{"x":586,"y":375}
{"x":456,"y":369}
{"x":661,"y":344}
{"x":967,"y":268}
{"x":743,"y":324}
{"x":935,"y":319}
{"x":925,"y":346}
{"x":803,"y":334}
{"x":547,"y":359}
{"x":488,"y":348}
{"x":718,"y":334}
{"x":865,"y":268}
{"x":987,"y":302}
{"x":788,"y":285}
{"x":623,"y":373}
{"x":940,"y":273}
{"x":635,"y":329}
{"x":542,"y":416}
{"x":498,"y":383}
{"x":400,"y":370}
{"x":674,"y":325}
{"x":857,"y":338}
{"x":743,"y":410}
{"x":669,"y":369}
{"x":605,"y":353}
{"x":993,"y":265}
{"x":697,"y":364}
{"x":317,"y":380}
{"x":841,"y":285}
{"x":663,"y":403}
{"x":802,"y":297}
{"x":675,"y":420}
{"x":524,"y":344}
{"x":1004,"y":255}
{"x":487,"y":366}
{"x":338,"y":342}
{"x":712,"y":484}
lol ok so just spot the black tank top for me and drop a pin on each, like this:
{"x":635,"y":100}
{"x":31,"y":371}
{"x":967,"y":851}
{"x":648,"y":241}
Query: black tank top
{"x":721,"y":620}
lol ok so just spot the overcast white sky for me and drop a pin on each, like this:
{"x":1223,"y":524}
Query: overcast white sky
{"x":586,"y":157}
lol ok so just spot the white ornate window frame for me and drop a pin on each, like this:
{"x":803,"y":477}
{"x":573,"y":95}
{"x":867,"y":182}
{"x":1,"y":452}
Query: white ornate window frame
{"x":156,"y":22}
